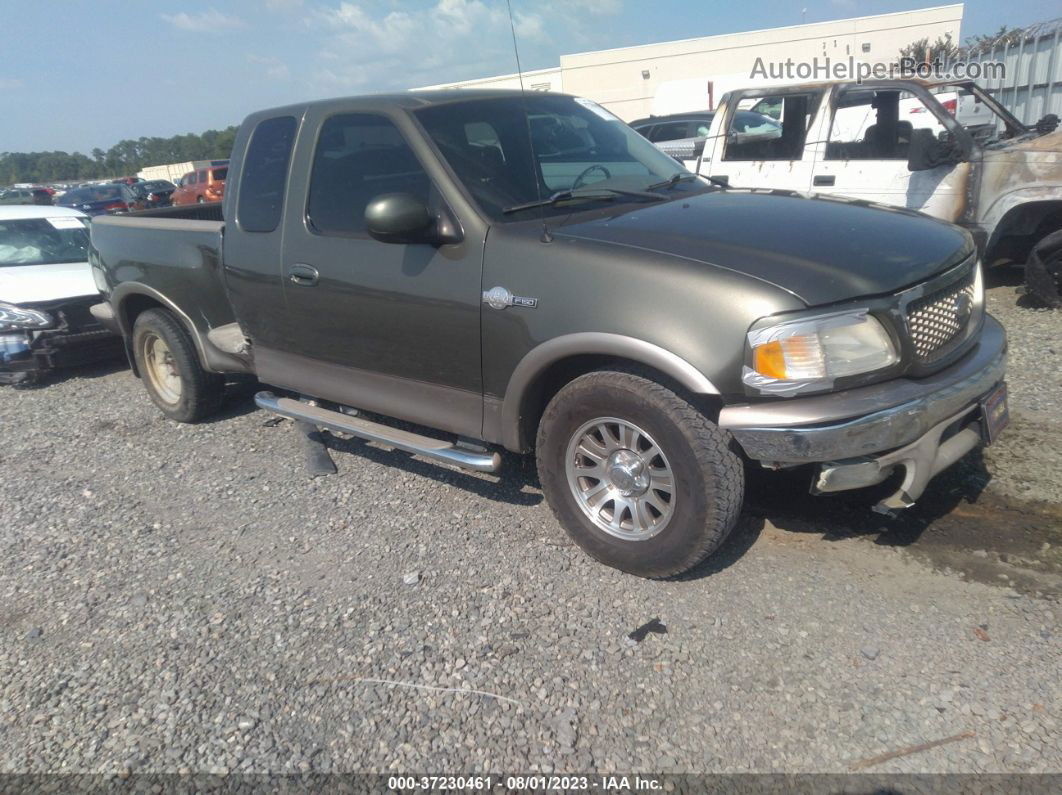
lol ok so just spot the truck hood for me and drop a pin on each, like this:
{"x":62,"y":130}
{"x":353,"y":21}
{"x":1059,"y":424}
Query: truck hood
{"x":820,"y":249}
{"x":33,"y":284}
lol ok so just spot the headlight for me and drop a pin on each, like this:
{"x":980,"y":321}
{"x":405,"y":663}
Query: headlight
{"x":15,"y":318}
{"x":810,"y":353}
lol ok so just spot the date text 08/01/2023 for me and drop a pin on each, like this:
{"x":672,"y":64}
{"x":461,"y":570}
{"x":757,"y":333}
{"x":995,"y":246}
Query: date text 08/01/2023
{"x":531,"y":782}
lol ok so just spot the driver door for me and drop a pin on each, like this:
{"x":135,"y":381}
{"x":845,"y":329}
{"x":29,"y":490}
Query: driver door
{"x":391,"y":328}
{"x":866,"y":154}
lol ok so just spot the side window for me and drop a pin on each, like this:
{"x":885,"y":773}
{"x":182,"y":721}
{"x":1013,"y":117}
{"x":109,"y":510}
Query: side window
{"x":877,"y":125}
{"x":754,"y":133}
{"x":671,"y":131}
{"x":191,"y":179}
{"x":265,"y":173}
{"x":701,"y":128}
{"x":358,"y":157}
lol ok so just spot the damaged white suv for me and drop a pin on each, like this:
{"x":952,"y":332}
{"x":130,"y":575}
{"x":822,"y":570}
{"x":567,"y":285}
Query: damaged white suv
{"x":46,"y":289}
{"x":948,"y":149}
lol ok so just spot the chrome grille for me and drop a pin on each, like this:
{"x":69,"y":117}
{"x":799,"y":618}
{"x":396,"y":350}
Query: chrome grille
{"x":938,"y":319}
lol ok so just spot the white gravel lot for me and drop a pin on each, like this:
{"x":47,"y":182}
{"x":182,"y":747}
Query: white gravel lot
{"x":185,"y":599}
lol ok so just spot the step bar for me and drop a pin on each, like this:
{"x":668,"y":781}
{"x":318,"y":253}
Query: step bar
{"x":435,"y":449}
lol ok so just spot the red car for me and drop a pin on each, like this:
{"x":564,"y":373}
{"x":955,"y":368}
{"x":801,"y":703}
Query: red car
{"x":203,"y":185}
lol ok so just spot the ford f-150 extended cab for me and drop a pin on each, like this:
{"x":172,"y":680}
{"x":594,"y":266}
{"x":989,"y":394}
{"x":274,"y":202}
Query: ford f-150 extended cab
{"x":527,"y":272}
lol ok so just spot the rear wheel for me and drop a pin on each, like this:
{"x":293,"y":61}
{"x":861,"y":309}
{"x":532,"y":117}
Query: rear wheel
{"x":200,"y":200}
{"x":640,"y":478}
{"x":169,"y":367}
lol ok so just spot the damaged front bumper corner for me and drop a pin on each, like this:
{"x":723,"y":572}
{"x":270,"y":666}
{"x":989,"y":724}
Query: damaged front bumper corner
{"x":859,"y":437}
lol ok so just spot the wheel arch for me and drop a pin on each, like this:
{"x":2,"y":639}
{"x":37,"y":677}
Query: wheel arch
{"x":1020,"y":228}
{"x":548,"y":367}
{"x":131,"y":299}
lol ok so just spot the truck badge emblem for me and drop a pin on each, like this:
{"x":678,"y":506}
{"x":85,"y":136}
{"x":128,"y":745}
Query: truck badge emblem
{"x":963,"y":308}
{"x":501,"y":298}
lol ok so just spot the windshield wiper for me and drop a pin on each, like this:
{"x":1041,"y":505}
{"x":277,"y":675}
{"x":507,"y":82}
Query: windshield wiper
{"x":684,"y":176}
{"x":601,"y":194}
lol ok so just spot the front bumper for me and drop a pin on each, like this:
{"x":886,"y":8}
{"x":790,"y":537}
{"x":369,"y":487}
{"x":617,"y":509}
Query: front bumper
{"x":922,"y":424}
{"x":77,"y":338}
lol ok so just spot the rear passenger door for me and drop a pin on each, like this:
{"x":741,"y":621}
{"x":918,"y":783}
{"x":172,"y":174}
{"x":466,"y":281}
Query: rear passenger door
{"x":759,"y":151}
{"x":392,"y":328}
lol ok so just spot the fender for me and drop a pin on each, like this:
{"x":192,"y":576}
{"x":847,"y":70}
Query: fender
{"x":210,"y":357}
{"x":539,"y":358}
{"x":995,"y":214}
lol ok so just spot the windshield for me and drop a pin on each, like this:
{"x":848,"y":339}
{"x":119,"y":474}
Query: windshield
{"x":977,"y":112}
{"x":43,"y":241}
{"x":578,"y":146}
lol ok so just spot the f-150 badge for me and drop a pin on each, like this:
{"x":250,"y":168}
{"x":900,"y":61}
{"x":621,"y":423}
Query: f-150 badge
{"x":501,"y":298}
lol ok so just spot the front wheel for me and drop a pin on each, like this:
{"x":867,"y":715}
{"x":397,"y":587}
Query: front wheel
{"x":169,"y":367}
{"x":640,"y":478}
{"x":1043,"y":271}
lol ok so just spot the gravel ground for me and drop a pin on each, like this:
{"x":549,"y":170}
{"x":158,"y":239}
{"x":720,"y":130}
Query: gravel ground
{"x":184,"y":598}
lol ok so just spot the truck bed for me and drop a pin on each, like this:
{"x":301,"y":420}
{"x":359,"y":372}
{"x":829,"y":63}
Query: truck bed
{"x":172,"y":256}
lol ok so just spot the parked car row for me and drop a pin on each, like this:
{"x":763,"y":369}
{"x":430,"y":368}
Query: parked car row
{"x":126,"y":194}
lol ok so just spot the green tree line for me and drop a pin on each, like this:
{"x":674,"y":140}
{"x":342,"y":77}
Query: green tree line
{"x":125,"y":158}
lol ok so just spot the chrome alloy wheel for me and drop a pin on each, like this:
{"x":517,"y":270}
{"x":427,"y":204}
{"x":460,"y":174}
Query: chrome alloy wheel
{"x":161,"y":368}
{"x":620,"y":478}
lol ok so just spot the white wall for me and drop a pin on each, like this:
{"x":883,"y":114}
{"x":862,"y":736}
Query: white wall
{"x":628,"y":79}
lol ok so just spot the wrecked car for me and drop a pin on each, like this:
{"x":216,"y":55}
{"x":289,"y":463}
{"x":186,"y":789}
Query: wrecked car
{"x":46,"y":289}
{"x":527,"y":273}
{"x":949,"y":149}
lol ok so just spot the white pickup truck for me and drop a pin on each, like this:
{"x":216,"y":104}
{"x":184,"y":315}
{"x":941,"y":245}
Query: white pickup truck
{"x":948,"y":149}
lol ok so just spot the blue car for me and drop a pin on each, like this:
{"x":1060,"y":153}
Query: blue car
{"x":101,"y":199}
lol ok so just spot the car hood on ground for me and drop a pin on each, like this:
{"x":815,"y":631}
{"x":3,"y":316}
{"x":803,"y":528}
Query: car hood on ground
{"x":821,"y":249}
{"x":32,"y":284}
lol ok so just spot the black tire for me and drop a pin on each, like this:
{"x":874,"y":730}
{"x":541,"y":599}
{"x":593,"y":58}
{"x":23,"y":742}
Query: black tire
{"x":200,"y":200}
{"x":1043,"y":271}
{"x":200,"y":392}
{"x":708,"y":475}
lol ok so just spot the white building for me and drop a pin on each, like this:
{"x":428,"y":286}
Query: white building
{"x":692,"y":74}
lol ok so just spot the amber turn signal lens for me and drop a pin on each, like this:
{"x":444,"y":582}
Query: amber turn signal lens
{"x":769,"y":360}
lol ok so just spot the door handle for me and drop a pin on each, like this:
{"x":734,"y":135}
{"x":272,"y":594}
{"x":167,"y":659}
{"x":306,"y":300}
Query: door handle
{"x":824,"y":179}
{"x":304,"y":275}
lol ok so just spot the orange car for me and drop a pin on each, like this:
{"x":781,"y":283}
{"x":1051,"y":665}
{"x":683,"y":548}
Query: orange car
{"x":202,"y":185}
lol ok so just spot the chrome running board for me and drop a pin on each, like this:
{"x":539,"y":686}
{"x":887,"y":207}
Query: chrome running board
{"x":435,"y":449}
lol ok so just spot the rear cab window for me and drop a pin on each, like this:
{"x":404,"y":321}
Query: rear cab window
{"x":265,"y":174}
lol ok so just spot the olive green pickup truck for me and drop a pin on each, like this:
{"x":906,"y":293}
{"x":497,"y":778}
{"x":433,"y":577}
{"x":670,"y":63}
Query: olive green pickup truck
{"x":526,"y":272}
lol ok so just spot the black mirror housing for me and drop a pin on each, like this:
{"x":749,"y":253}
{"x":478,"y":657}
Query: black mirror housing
{"x":399,"y":218}
{"x":403,"y":218}
{"x":926,"y":151}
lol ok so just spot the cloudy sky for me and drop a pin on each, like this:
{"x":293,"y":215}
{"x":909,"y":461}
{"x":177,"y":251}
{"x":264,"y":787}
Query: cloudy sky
{"x":78,"y":74}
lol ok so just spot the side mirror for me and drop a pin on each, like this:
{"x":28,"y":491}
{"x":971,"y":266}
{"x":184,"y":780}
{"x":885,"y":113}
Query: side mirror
{"x":403,"y":218}
{"x":926,"y":151}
